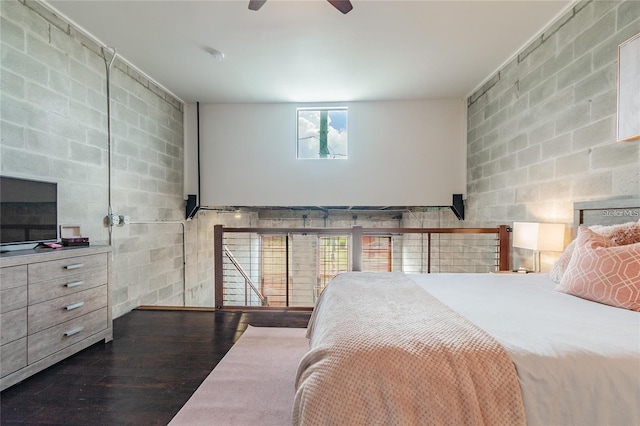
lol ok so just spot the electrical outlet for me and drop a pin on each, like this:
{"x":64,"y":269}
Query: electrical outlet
{"x":114,"y":219}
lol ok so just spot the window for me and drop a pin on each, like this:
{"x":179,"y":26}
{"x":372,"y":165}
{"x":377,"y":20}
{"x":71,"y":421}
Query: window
{"x":333,"y":258}
{"x":322,"y":133}
{"x":376,"y":254}
{"x":274,"y":269}
{"x":304,"y":265}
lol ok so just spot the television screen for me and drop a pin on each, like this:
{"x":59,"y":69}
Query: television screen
{"x":28,"y":211}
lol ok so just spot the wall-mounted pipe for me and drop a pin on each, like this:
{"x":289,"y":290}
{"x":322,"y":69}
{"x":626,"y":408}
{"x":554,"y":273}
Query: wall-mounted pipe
{"x":193,"y":200}
{"x":109,"y":63}
{"x":113,"y":52}
{"x":198,"y":152}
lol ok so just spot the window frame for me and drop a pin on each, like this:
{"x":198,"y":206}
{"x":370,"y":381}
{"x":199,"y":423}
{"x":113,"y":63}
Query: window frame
{"x":330,"y":156}
{"x":371,"y":255}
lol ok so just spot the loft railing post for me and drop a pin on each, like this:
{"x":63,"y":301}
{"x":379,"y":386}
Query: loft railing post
{"x":428,"y":252}
{"x":286,"y":282}
{"x":218,"y":253}
{"x":356,"y":248}
{"x":503,"y":238}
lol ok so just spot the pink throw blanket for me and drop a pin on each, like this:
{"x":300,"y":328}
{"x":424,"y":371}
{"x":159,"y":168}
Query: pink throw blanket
{"x":384,"y":351}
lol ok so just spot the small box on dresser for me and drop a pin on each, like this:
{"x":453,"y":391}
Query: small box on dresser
{"x":53,"y":304}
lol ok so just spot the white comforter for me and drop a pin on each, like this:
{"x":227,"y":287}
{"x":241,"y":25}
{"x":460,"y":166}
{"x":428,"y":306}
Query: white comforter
{"x":385,"y":352}
{"x":578,"y":361}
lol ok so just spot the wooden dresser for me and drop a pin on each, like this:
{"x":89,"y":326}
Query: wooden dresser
{"x":53,"y":303}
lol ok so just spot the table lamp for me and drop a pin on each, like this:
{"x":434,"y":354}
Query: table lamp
{"x":538,"y":237}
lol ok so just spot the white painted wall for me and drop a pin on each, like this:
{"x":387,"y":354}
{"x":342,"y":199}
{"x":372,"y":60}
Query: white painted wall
{"x":400,"y":153}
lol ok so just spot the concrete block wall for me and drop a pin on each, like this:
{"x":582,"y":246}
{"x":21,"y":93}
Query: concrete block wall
{"x":53,"y":126}
{"x":542,"y":130}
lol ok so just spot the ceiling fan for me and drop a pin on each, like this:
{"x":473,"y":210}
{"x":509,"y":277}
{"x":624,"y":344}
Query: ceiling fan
{"x":343,"y":6}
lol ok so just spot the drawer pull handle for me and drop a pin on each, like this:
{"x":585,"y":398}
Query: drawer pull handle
{"x":73,"y":306}
{"x":74,"y":284}
{"x":73,"y":331}
{"x":74,"y":266}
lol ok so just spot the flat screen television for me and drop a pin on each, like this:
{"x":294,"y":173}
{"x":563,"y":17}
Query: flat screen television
{"x":28,"y":211}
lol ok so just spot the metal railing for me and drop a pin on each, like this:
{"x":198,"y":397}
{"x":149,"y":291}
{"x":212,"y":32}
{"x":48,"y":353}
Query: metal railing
{"x":289,"y":267}
{"x":248,"y":284}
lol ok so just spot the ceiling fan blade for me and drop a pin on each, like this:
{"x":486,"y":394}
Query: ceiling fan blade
{"x":343,"y":6}
{"x":256,"y":4}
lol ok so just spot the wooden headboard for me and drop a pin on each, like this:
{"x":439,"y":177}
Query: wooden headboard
{"x":611,"y":211}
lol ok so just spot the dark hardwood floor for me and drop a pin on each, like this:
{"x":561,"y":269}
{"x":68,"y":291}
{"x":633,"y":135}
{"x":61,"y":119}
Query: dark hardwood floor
{"x":155,"y":362}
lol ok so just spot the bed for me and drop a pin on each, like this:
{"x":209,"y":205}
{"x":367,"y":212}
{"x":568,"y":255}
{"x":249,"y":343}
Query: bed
{"x":479,"y":348}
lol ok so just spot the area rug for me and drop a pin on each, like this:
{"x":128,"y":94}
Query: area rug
{"x":253,"y":384}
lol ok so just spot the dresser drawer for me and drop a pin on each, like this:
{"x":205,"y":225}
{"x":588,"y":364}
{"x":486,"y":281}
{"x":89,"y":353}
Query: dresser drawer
{"x":53,"y":312}
{"x":54,"y":339}
{"x":13,"y":356}
{"x":13,"y":276}
{"x":47,"y":290}
{"x":13,"y":325}
{"x":13,"y":298}
{"x":13,"y":281}
{"x":46,"y":271}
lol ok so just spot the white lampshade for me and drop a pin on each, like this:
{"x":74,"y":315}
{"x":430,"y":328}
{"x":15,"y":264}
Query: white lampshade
{"x":538,"y":236}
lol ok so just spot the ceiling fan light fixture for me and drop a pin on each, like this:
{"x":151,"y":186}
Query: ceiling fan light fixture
{"x":256,"y":4}
{"x":343,"y":6}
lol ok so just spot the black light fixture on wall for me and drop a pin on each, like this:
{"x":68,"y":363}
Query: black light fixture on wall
{"x":458,"y":206}
{"x":192,"y":206}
